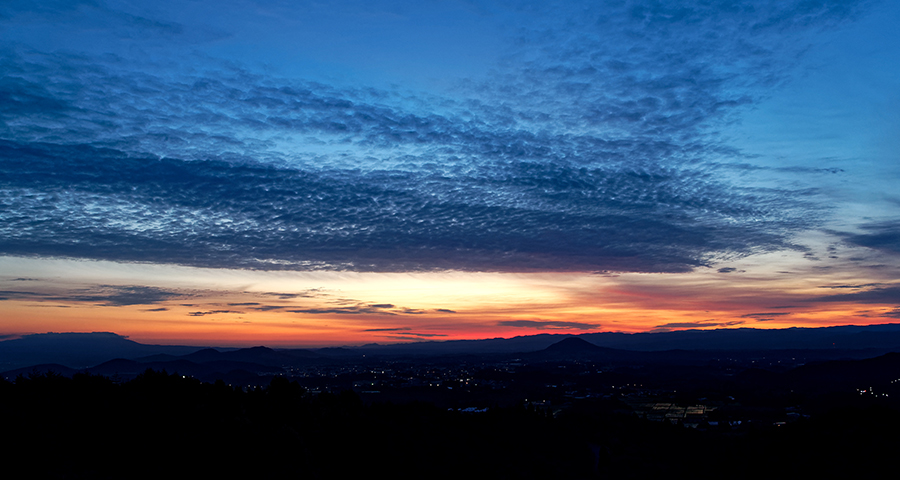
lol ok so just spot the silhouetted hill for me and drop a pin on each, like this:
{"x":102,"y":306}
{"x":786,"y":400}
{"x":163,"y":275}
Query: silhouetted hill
{"x":301,"y":353}
{"x":574,"y":345}
{"x":205,"y":355}
{"x":76,"y":350}
{"x":263,"y":355}
{"x":338,"y":352}
{"x":576,"y":348}
{"x":257,"y":355}
{"x":119,"y":366}
{"x":162,"y":357}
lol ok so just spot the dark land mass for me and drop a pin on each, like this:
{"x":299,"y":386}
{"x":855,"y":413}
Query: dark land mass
{"x":77,"y":350}
{"x":876,"y":339}
{"x":82,"y":350}
{"x":173,"y":426}
{"x":573,"y":408}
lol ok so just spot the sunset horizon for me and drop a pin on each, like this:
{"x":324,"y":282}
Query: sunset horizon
{"x":407,"y":307}
{"x":302,"y":175}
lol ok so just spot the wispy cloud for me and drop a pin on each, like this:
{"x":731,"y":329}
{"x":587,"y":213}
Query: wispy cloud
{"x":549,"y":324}
{"x":766,"y":314}
{"x":356,"y":310}
{"x":417,"y":336}
{"x":211,"y":312}
{"x":883,"y":236}
{"x":691,"y":325}
{"x":362,"y":308}
{"x":890,"y":294}
{"x":857,"y":286}
{"x":103,"y":295}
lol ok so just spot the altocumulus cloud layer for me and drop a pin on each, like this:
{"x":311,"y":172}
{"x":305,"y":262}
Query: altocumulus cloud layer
{"x":591,"y":145}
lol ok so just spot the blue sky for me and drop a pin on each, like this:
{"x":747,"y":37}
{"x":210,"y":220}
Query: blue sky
{"x":610,"y":138}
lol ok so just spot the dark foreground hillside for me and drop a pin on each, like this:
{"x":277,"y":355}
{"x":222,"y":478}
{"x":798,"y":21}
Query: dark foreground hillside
{"x":166,"y":426}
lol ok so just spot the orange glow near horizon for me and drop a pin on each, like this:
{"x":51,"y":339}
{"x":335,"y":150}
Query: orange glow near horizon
{"x":190,"y":306}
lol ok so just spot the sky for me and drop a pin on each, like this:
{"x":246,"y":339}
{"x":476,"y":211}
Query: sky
{"x":291,"y":173}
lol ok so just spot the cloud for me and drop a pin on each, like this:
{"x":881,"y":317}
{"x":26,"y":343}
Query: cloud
{"x":21,"y":295}
{"x":884,"y":236}
{"x":267,"y":308}
{"x":102,"y":295}
{"x":890,"y":294}
{"x":417,"y":336}
{"x":357,"y":310}
{"x":689,"y":325}
{"x":95,"y":20}
{"x":218,"y":214}
{"x":861,"y":285}
{"x":117,"y":296}
{"x":591,"y":149}
{"x":727,"y":270}
{"x":211,"y":312}
{"x":766,"y":316}
{"x":310,"y":293}
{"x":549,"y":324}
{"x":411,"y":311}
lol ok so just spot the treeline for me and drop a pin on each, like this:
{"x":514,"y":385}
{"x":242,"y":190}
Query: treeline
{"x":162,"y":425}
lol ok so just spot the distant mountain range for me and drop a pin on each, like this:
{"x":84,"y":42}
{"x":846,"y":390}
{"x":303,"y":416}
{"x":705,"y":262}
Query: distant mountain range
{"x":77,"y":350}
{"x":875,"y":337}
{"x":108,"y":353}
